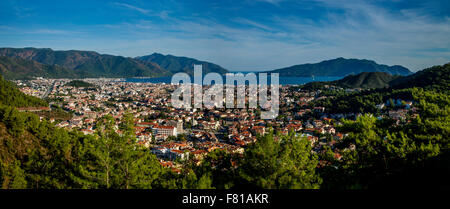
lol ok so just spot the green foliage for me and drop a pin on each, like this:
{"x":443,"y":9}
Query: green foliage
{"x":17,"y":68}
{"x":218,"y":166}
{"x":12,"y":176}
{"x":432,"y":79}
{"x":284,"y":164}
{"x":182,"y":137}
{"x":56,"y":158}
{"x":11,"y":96}
{"x":79,"y":84}
{"x":362,"y":102}
{"x":366,"y":80}
{"x":312,"y":86}
{"x":114,"y":160}
{"x":56,"y":113}
{"x":436,"y":78}
{"x":387,"y":155}
{"x":192,"y":181}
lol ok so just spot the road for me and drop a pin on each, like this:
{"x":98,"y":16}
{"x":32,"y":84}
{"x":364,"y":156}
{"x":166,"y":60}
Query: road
{"x":49,"y":90}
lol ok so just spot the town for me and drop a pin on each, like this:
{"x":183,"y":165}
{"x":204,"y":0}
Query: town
{"x":175,"y":135}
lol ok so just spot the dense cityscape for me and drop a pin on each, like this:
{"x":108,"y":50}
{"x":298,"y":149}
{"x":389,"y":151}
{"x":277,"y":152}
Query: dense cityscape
{"x":176,"y":135}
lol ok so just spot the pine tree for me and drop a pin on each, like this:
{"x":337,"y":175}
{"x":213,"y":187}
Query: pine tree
{"x":284,"y":164}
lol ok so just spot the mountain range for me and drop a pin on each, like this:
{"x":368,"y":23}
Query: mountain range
{"x":181,"y":64}
{"x":340,"y":67}
{"x":17,"y":68}
{"x":436,"y":78}
{"x":82,"y":64}
{"x":25,"y":63}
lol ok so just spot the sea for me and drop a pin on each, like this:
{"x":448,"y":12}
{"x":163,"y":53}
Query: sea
{"x":282,"y":80}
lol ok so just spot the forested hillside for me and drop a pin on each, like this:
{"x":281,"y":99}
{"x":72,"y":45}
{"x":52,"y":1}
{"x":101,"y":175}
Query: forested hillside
{"x":17,"y":68}
{"x":79,"y":84}
{"x":10,"y":95}
{"x":36,"y":154}
{"x":388,"y":155}
{"x":366,"y":80}
{"x":434,"y":79}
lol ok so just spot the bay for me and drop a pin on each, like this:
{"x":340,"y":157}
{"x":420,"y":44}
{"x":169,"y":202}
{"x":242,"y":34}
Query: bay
{"x":283,"y":80}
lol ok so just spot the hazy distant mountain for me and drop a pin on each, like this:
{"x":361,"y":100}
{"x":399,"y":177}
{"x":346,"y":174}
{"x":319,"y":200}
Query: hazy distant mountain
{"x":86,"y":63}
{"x":181,"y":64}
{"x":340,"y":67}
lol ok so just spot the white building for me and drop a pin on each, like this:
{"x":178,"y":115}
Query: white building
{"x":165,"y":130}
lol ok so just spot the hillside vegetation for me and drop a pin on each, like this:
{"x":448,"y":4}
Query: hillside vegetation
{"x":434,"y":78}
{"x":10,"y":95}
{"x":388,"y":154}
{"x":17,"y":68}
{"x":79,"y":84}
{"x":366,"y":80}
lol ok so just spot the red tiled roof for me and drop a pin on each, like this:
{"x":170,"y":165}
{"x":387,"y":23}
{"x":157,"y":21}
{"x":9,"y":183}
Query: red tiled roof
{"x":177,"y":151}
{"x":165,"y":127}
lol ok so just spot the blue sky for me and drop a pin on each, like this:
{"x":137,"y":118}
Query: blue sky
{"x":238,"y":35}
